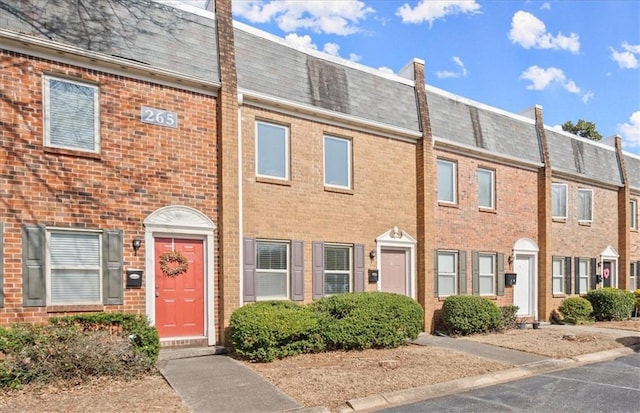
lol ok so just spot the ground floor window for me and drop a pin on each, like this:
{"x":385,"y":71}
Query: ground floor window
{"x":272,"y":270}
{"x":337,"y":269}
{"x":634,"y":274}
{"x":487,"y":274}
{"x":447,"y":262}
{"x":558,"y":275}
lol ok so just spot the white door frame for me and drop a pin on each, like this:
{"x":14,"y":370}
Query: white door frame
{"x":398,"y":240}
{"x":177,"y":221}
{"x":611,"y":255}
{"x":527,"y":248}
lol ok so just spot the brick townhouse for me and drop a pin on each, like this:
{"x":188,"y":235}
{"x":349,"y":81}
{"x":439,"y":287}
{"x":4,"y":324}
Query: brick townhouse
{"x":288,"y":178}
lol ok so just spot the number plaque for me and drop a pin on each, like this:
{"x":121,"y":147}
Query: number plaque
{"x":159,"y":117}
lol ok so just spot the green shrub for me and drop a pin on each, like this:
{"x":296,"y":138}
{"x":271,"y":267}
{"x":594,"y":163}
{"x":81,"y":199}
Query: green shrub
{"x":611,"y":303}
{"x":509,"y":317}
{"x":368,"y":320}
{"x":576,"y":310}
{"x":469,"y":314}
{"x":268,"y":330}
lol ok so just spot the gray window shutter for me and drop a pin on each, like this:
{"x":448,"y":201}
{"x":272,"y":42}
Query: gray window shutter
{"x":318,"y":269}
{"x":34,"y":290}
{"x":567,"y":275}
{"x":594,"y":278}
{"x":576,"y":274}
{"x":112,"y":266}
{"x":475,"y":271}
{"x":500,"y":273}
{"x":462,"y":272}
{"x":358,"y":282}
{"x":1,"y":266}
{"x":249,"y":270}
{"x":297,"y":271}
{"x":638,"y":275}
{"x":435,"y":273}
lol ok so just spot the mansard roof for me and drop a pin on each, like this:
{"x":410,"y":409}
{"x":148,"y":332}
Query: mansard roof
{"x":633,"y":171}
{"x":143,"y":31}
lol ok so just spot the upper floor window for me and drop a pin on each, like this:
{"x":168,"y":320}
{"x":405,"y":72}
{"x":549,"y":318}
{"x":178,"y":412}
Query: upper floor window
{"x":559,"y":201}
{"x":585,"y":205}
{"x":71,"y":115}
{"x":558,"y":275}
{"x":633,"y":214}
{"x":272,"y":151}
{"x":272,"y":270}
{"x":447,"y":181}
{"x":337,"y":269}
{"x":486,"y":188}
{"x":337,"y":162}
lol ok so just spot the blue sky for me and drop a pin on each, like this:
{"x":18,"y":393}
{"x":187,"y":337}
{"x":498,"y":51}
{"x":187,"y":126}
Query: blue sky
{"x":577,"y":59}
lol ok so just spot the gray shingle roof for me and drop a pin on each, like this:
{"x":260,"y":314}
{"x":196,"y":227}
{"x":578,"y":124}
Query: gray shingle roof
{"x":143,"y":31}
{"x":633,"y":171}
{"x":475,"y":125}
{"x":582,"y":157}
{"x":272,"y":68}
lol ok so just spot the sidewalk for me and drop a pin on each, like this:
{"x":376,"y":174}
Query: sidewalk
{"x":210,"y":382}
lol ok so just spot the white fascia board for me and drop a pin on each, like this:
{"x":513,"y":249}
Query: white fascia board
{"x":471,"y":151}
{"x":572,"y":176}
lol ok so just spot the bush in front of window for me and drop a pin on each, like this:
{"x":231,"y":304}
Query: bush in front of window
{"x":365,"y":320}
{"x":611,"y":303}
{"x":268,"y":330}
{"x":470,"y":314}
{"x":509,"y":317}
{"x":576,"y":310}
{"x":69,"y":351}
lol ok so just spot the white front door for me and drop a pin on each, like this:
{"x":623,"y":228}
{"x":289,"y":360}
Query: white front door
{"x":393,"y":271}
{"x":524,"y":289}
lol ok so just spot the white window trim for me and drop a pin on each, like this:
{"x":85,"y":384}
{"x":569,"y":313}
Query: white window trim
{"x":566,"y":201}
{"x":456,"y":270}
{"x":578,"y":204}
{"x":324,"y":160}
{"x":48,"y":264}
{"x":632,"y":276}
{"x":454,"y":182}
{"x":47,"y":116}
{"x":493,"y":189}
{"x":286,"y":151}
{"x":633,"y":214}
{"x":349,"y":272}
{"x":555,"y":276}
{"x":288,"y":270}
{"x":582,"y":276}
{"x":493,"y":275}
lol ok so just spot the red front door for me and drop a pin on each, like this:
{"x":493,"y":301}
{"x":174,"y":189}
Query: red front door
{"x":180,"y":299}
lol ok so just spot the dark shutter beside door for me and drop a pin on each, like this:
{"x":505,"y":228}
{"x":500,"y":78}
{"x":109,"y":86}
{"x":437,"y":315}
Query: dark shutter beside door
{"x":297,"y":271}
{"x":594,"y":275}
{"x":112,"y":266}
{"x":567,"y":275}
{"x":249,"y":269}
{"x":34,"y":293}
{"x":318,"y":269}
{"x":358,"y":275}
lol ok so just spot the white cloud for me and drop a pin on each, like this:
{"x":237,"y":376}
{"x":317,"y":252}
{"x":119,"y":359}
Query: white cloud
{"x":331,"y":17}
{"x":431,"y":10}
{"x":444,"y":74}
{"x":542,"y":78}
{"x":628,"y":57}
{"x":630,"y":131}
{"x":587,"y":97}
{"x":301,"y":41}
{"x":386,"y":69}
{"x":355,"y":57}
{"x":545,"y":6}
{"x":530,"y":32}
{"x":331,"y":48}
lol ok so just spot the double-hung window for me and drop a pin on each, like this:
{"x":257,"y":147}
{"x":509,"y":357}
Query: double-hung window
{"x":486,"y":188}
{"x":71,"y":115}
{"x":447,"y":181}
{"x":585,"y":205}
{"x":558,"y":275}
{"x":337,"y":162}
{"x":559,"y":201}
{"x":272,"y":270}
{"x":487,"y":274}
{"x":447,"y":273}
{"x":272,"y":151}
{"x":633,"y":276}
{"x":337,"y":269}
{"x":584,"y":272}
{"x":633,"y":214}
{"x":75,"y":268}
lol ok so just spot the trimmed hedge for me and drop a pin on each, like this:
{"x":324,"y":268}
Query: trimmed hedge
{"x":268,"y":330}
{"x":611,"y":303}
{"x":576,"y":310}
{"x":469,"y":314}
{"x":368,"y":320}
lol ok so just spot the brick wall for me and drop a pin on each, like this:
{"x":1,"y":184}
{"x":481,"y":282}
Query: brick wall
{"x":140,"y":167}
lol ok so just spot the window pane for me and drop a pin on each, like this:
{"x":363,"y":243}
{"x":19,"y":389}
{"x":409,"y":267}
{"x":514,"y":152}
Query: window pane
{"x":486,"y":285}
{"x":446,"y":190}
{"x":271,"y":284}
{"x":336,"y":162}
{"x":559,"y":200}
{"x":335,"y":283}
{"x":446,"y":263}
{"x":272,"y":150}
{"x":633,"y":212}
{"x":485,"y":188}
{"x":272,"y":256}
{"x":486,"y":264}
{"x":75,"y":267}
{"x":336,"y":258}
{"x":557,"y":267}
{"x":584,"y":205}
{"x":446,"y":285}
{"x":70,"y":286}
{"x":584,"y":282}
{"x":74,"y":250}
{"x":72,"y":115}
{"x":558,"y":285}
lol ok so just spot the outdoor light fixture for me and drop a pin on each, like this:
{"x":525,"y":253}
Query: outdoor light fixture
{"x":136,"y":243}
{"x":372,"y":254}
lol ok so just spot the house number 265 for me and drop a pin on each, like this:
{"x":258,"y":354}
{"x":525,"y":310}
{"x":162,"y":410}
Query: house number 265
{"x":159,"y":117}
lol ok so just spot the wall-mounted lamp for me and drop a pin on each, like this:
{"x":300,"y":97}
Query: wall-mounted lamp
{"x":136,"y":243}
{"x":510,"y":259}
{"x":599,"y":265}
{"x":372,"y":253}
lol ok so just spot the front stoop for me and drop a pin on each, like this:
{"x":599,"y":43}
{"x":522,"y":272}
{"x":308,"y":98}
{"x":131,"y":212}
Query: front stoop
{"x":174,"y":353}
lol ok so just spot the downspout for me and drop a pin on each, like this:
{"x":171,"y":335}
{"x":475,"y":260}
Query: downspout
{"x":240,"y":205}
